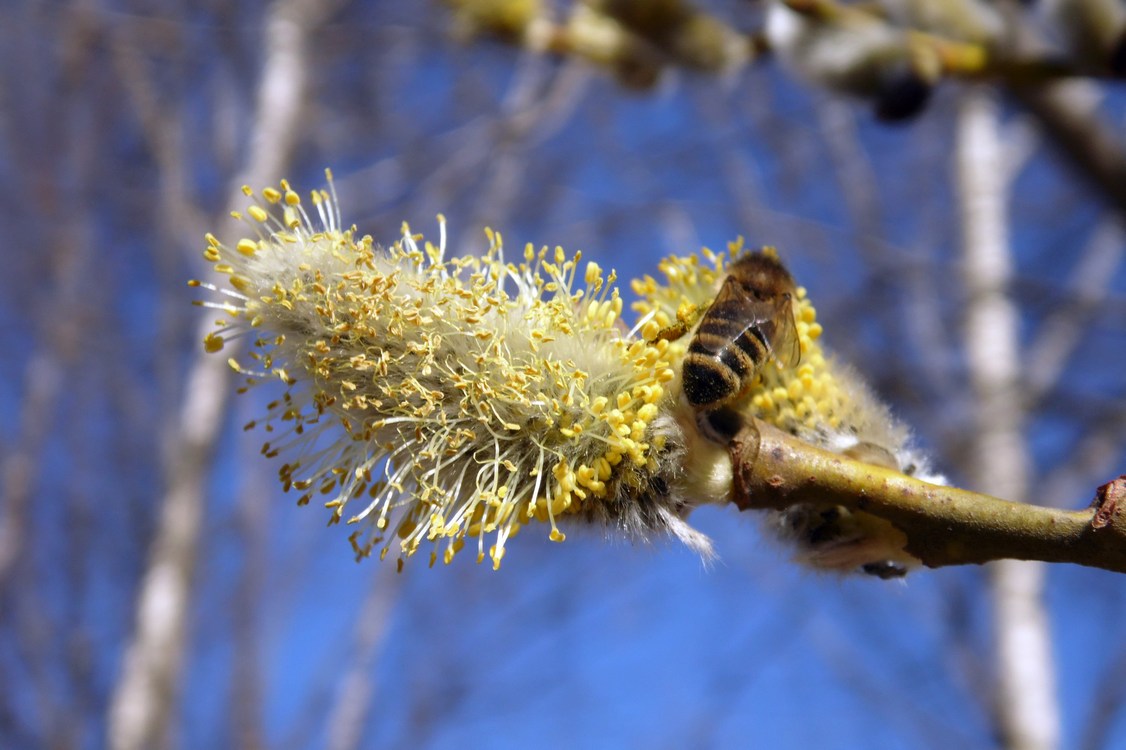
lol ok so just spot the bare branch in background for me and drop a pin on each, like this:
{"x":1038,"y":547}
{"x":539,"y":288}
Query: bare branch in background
{"x":144,"y":702}
{"x":248,"y":712}
{"x":1097,"y":455}
{"x":162,"y":124}
{"x":1110,"y":697}
{"x":894,"y":59}
{"x":636,"y":41}
{"x":68,"y":248}
{"x":919,"y":722}
{"x":42,"y":377}
{"x":1087,"y":291}
{"x":55,"y":169}
{"x":742,"y":176}
{"x":538,"y":104}
{"x":355,"y":692}
{"x":1066,"y":112}
{"x":859,"y":188}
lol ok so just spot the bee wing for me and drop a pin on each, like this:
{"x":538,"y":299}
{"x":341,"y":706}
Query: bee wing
{"x":787,"y":343}
{"x":771,"y":320}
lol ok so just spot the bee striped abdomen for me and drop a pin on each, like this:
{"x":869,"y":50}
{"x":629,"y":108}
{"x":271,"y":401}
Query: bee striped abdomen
{"x":750,"y":322}
{"x":723,"y":357}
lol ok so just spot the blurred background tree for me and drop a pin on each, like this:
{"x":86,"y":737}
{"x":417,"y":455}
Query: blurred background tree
{"x":156,"y":589}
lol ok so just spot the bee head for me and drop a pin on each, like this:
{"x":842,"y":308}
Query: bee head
{"x":762,"y":274}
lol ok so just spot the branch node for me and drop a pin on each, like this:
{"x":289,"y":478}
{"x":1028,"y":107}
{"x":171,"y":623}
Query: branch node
{"x":744,"y":449}
{"x":1107,"y":499}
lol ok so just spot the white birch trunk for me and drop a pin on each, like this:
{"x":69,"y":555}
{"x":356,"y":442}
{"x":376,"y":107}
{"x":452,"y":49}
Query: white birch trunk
{"x":143,"y":705}
{"x":1025,"y":702}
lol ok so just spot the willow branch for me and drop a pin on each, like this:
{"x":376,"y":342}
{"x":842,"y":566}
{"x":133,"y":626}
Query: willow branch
{"x":944,"y":525}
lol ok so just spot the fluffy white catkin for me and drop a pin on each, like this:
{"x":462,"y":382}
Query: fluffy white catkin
{"x":445,"y":401}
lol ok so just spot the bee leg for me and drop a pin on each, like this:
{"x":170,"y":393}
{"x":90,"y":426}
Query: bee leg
{"x":720,"y":425}
{"x":672,"y":333}
{"x":686,"y":316}
{"x":885,"y":569}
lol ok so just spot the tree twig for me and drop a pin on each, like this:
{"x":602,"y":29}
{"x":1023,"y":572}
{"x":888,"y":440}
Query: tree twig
{"x":944,"y":525}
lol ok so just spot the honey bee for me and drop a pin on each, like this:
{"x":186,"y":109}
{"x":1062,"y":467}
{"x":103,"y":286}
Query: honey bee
{"x":750,"y":322}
